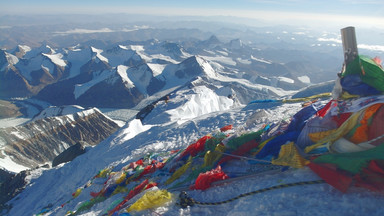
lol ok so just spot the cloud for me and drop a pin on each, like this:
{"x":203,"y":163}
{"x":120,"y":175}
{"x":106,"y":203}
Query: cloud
{"x":84,"y":31}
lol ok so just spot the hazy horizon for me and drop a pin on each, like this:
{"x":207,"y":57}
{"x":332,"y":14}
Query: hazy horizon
{"x":336,"y":14}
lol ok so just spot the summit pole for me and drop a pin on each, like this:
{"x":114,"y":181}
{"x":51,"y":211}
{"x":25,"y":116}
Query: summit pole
{"x":348,"y":37}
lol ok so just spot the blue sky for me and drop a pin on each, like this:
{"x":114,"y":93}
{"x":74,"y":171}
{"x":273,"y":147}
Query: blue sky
{"x":370,"y":12}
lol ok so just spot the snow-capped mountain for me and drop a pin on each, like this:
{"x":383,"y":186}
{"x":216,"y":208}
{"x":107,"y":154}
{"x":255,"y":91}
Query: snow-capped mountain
{"x":50,"y":133}
{"x":190,"y":113}
{"x":137,"y":70}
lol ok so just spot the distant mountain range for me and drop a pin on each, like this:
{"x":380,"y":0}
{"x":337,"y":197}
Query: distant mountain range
{"x":123,"y":74}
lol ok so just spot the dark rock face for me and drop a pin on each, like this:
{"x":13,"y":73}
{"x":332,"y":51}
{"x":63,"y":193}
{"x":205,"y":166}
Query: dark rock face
{"x":40,"y":141}
{"x":69,"y":154}
{"x":12,"y":185}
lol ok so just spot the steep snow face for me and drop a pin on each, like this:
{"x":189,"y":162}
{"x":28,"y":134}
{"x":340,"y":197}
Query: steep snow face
{"x":98,"y":54}
{"x":119,"y":55}
{"x":78,"y":57}
{"x":141,"y":76}
{"x":187,"y":70}
{"x":56,"y":59}
{"x":188,"y":104}
{"x":122,"y":71}
{"x":207,"y":68}
{"x":156,"y":68}
{"x":202,"y":102}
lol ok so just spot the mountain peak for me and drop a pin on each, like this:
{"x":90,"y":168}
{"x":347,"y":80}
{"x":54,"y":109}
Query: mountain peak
{"x":213,"y":40}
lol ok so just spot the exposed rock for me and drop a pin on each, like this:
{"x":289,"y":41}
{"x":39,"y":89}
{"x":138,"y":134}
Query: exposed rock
{"x":40,"y":141}
{"x":8,"y":109}
{"x":69,"y":154}
{"x":11,"y":186}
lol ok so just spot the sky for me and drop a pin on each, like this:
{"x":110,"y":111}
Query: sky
{"x":326,"y":12}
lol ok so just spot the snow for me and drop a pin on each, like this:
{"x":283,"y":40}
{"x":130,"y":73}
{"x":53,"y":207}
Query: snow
{"x":122,"y":71}
{"x":209,"y":71}
{"x":304,"y":79}
{"x":11,"y":58}
{"x":53,"y":111}
{"x":98,"y":54}
{"x":56,"y":59}
{"x":80,"y":89}
{"x":25,"y":48}
{"x":162,"y":57}
{"x":157,"y":69}
{"x":202,"y":102}
{"x":78,"y":57}
{"x":137,"y":48}
{"x":11,"y":122}
{"x":244,"y":61}
{"x":260,"y":60}
{"x":285,"y":79}
{"x":200,"y":116}
{"x":6,"y":161}
{"x":221,"y":59}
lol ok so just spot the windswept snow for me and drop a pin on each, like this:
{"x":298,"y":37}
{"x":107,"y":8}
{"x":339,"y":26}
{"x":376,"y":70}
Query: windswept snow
{"x":202,"y":102}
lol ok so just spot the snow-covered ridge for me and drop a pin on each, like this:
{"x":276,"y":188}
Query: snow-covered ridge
{"x":98,"y":54}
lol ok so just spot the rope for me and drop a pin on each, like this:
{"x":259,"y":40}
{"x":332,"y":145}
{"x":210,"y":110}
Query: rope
{"x":375,"y":139}
{"x":245,"y":158}
{"x":186,"y":201}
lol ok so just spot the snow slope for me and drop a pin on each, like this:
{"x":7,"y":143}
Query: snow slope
{"x":53,"y":190}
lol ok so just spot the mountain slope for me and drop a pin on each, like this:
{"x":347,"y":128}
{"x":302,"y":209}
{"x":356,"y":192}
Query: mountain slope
{"x":52,"y":191}
{"x":42,"y":139}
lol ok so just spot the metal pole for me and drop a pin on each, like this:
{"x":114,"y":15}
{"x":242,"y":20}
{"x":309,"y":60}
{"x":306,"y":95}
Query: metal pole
{"x":348,"y":38}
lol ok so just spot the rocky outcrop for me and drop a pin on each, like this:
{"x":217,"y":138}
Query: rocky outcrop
{"x":69,"y":154}
{"x":11,"y":185}
{"x":40,"y":141}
